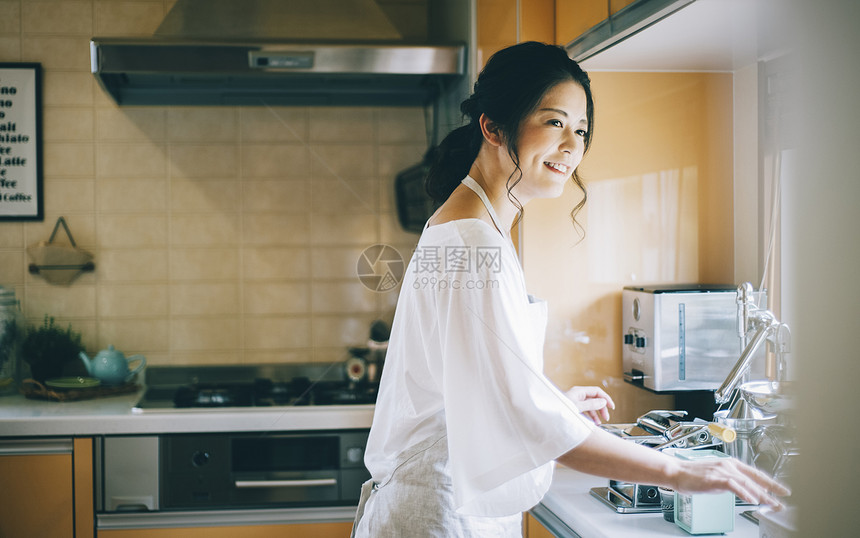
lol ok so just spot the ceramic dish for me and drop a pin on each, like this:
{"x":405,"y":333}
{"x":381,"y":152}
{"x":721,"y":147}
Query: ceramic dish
{"x":73,"y":382}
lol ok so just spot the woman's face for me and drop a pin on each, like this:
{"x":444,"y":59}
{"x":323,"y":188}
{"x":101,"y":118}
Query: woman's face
{"x":552,"y":142}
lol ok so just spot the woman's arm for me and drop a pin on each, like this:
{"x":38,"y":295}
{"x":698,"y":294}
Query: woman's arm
{"x":604,"y":454}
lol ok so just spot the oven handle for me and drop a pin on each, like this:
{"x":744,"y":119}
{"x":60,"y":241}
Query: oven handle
{"x":286,"y":483}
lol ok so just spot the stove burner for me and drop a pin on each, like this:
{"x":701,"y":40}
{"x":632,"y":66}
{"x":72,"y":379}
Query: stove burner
{"x":267,"y":393}
{"x":233,"y":395}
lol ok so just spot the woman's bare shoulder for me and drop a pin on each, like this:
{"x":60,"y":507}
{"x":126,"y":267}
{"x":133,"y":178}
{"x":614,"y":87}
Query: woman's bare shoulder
{"x":461,"y":205}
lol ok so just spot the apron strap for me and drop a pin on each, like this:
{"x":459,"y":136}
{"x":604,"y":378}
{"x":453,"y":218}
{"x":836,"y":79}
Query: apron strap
{"x":470,"y":182}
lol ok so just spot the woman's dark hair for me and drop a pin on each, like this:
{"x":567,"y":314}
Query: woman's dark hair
{"x":509,"y":88}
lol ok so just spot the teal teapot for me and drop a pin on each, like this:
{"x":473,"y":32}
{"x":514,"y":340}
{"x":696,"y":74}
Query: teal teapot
{"x":110,"y":366}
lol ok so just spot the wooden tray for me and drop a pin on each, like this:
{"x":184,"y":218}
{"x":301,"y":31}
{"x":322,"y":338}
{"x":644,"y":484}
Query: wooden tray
{"x":34,"y":390}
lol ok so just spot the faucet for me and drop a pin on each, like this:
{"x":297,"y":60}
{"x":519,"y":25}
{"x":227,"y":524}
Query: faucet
{"x":767,"y":328}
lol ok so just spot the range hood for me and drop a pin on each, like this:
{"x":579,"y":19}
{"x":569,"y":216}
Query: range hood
{"x":275,"y":52}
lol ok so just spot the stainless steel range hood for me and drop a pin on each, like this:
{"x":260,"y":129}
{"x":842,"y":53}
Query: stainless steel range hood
{"x":275,"y":52}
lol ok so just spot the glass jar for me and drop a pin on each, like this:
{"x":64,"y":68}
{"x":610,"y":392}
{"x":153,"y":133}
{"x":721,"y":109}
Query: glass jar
{"x":12,"y":329}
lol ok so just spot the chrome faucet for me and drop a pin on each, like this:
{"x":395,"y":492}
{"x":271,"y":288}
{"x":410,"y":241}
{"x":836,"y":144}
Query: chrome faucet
{"x":766,"y":328}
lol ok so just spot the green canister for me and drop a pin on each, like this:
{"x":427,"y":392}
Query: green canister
{"x":704,"y":513}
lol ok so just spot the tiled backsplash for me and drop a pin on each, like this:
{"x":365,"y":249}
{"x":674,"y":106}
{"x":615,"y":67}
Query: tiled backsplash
{"x":220,"y":235}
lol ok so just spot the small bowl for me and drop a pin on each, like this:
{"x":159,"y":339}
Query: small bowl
{"x":768,"y":396}
{"x":667,"y":503}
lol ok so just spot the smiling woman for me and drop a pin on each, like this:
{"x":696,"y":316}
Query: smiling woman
{"x":531,"y":89}
{"x":466,"y":426}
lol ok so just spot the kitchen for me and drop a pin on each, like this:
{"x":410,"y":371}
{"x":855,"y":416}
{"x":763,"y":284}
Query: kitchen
{"x":184,"y":275}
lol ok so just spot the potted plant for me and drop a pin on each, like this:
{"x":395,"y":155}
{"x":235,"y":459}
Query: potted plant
{"x":48,"y":349}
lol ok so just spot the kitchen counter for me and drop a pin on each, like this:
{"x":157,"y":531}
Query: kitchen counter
{"x":113,"y":415}
{"x":568,"y":510}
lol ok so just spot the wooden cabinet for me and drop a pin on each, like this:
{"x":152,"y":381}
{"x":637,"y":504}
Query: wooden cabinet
{"x":305,"y":530}
{"x":574,"y":18}
{"x":533,"y":528}
{"x":47,"y":488}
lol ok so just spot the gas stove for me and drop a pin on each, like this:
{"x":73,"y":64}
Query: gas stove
{"x":252,"y":386}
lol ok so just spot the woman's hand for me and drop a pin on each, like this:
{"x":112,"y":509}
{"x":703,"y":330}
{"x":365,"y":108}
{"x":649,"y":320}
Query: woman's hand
{"x":592,"y":402}
{"x":727,"y":474}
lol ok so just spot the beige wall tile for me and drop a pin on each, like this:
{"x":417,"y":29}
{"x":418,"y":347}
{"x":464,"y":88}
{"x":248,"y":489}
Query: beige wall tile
{"x":204,"y":230}
{"x":273,"y":124}
{"x":220,"y":334}
{"x":402,"y":125}
{"x":138,"y":159}
{"x":132,"y":336}
{"x":131,"y":18}
{"x":11,"y":234}
{"x":132,"y":300}
{"x":58,"y":18}
{"x":69,"y":196}
{"x":67,"y":53}
{"x":275,"y":262}
{"x":130,"y":123}
{"x":342,"y":297}
{"x":127,"y":231}
{"x":10,"y":48}
{"x":394,"y":159}
{"x":204,"y":195}
{"x":207,"y":358}
{"x":202,"y":220}
{"x":204,"y":299}
{"x":12,"y":266}
{"x":335,"y":230}
{"x":10,"y":22}
{"x":66,"y":88}
{"x":276,"y":298}
{"x":345,"y":196}
{"x":67,"y":124}
{"x":280,"y":356}
{"x":333,"y":161}
{"x":202,"y":124}
{"x":204,"y":264}
{"x":330,"y":354}
{"x":134,"y":264}
{"x":344,"y":331}
{"x":68,"y":160}
{"x":391,"y":233}
{"x":335,"y":262}
{"x":204,"y":161}
{"x":276,"y":195}
{"x":277,"y":333}
{"x":132,"y":196}
{"x":336,"y":124}
{"x":275,"y":161}
{"x":387,"y":197}
{"x":275,"y":230}
{"x":100,"y":96}
{"x":60,"y":301}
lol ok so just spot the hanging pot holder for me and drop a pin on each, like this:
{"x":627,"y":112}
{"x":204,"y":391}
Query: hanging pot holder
{"x":59,"y":264}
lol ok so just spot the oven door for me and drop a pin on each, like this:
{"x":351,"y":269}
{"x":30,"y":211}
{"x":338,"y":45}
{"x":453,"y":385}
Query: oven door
{"x":262,"y":470}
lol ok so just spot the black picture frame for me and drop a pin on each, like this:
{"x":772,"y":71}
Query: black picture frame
{"x":21,"y":183}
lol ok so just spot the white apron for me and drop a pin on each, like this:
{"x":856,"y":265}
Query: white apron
{"x":418,"y":502}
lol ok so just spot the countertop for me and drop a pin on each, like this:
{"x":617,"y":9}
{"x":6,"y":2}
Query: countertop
{"x":113,"y":415}
{"x":569,"y":510}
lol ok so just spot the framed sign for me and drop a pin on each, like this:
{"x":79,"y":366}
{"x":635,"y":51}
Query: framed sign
{"x":21,"y":141}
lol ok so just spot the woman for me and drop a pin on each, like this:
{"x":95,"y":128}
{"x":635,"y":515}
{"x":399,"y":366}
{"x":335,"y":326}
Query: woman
{"x":466,"y":426}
